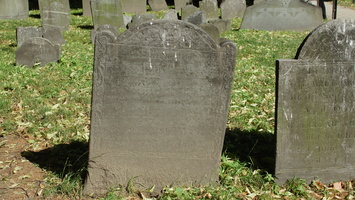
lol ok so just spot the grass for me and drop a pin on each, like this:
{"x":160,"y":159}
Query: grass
{"x":50,"y":107}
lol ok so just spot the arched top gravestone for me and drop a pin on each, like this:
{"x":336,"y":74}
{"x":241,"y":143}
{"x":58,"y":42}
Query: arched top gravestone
{"x":315,"y":120}
{"x":159,"y":106}
{"x":334,"y":40}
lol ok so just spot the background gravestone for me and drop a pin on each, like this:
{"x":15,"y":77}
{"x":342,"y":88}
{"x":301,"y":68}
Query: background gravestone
{"x":181,"y":3}
{"x":315,"y":120}
{"x":86,"y":7}
{"x":14,"y":9}
{"x":210,"y":7}
{"x":107,"y":12}
{"x":55,"y":13}
{"x":232,"y":8}
{"x":188,"y":10}
{"x":282,"y":15}
{"x":159,"y":107}
{"x":37,"y":51}
{"x":157,"y":5}
{"x":25,"y":33}
{"x":134,"y":6}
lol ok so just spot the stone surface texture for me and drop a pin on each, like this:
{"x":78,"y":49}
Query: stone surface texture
{"x":157,"y":5}
{"x":14,"y":9}
{"x":210,"y":7}
{"x":55,"y":13}
{"x":159,"y":108}
{"x":294,"y":15}
{"x":232,"y":9}
{"x":315,"y":118}
{"x":134,"y":6}
{"x":107,"y":12}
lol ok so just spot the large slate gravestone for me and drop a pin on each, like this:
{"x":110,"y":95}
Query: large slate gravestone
{"x":107,"y":12}
{"x":14,"y":9}
{"x":282,"y":15}
{"x":134,"y":6}
{"x":315,"y":107}
{"x":55,"y":13}
{"x":159,"y":107}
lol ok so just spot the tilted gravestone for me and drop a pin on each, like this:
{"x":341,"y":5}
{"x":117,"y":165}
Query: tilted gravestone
{"x":37,"y":51}
{"x":210,"y":7}
{"x":14,"y":9}
{"x":282,"y":15}
{"x":188,"y":10}
{"x":107,"y":12}
{"x":134,"y":6}
{"x":315,"y":116}
{"x":159,"y":107}
{"x":232,"y":8}
{"x":157,"y":5}
{"x":171,"y":15}
{"x":55,"y":13}
{"x":197,"y":18}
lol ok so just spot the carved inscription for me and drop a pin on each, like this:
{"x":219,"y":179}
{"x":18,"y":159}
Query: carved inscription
{"x":315,"y":118}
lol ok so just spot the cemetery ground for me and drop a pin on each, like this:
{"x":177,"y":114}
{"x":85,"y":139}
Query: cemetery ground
{"x":45,"y":122}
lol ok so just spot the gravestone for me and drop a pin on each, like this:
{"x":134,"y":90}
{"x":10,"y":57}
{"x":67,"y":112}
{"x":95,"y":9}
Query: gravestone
{"x":86,"y":8}
{"x":55,"y":13}
{"x":159,"y":107}
{"x":188,"y":10}
{"x":141,"y":18}
{"x":178,"y":4}
{"x":171,"y":15}
{"x":37,"y":51}
{"x":157,"y":5}
{"x":197,"y":18}
{"x":223,"y":25}
{"x":315,"y":118}
{"x":294,"y":15}
{"x":134,"y":6}
{"x":107,"y":12}
{"x":212,"y":31}
{"x":54,"y":35}
{"x":210,"y":7}
{"x":14,"y":9}
{"x":232,"y":9}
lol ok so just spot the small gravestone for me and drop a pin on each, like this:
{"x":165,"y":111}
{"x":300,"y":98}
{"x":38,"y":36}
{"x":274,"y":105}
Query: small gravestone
{"x":14,"y":9}
{"x":157,"y":5}
{"x":210,"y":7}
{"x":223,"y":25}
{"x":37,"y":51}
{"x":212,"y":31}
{"x":315,"y":116}
{"x":54,"y":35}
{"x":294,"y":15}
{"x":232,"y":9}
{"x":86,"y":7}
{"x":197,"y":18}
{"x":181,"y":3}
{"x":107,"y":12}
{"x":159,"y":108}
{"x":55,"y":13}
{"x":25,"y":33}
{"x":141,"y":18}
{"x":134,"y":6}
{"x":171,"y":15}
{"x":188,"y":10}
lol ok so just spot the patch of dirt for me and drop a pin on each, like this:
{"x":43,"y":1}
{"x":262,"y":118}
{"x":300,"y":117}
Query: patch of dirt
{"x":19,"y":178}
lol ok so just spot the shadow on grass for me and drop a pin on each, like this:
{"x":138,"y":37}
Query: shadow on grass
{"x":86,"y":27}
{"x":256,"y":148}
{"x":62,"y":159}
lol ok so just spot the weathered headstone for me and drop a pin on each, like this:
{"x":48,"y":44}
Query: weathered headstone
{"x":212,"y":31}
{"x":210,"y":7}
{"x":159,"y":107}
{"x":86,"y":7}
{"x":223,"y":25}
{"x":141,"y":18}
{"x":171,"y":15}
{"x":181,"y":3}
{"x":55,"y":13}
{"x":134,"y":6}
{"x":232,"y":8}
{"x":315,"y":120}
{"x":197,"y":18}
{"x":188,"y":10}
{"x":157,"y":5}
{"x":54,"y":35}
{"x":14,"y":9}
{"x":37,"y":51}
{"x":107,"y":12}
{"x":282,"y":15}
